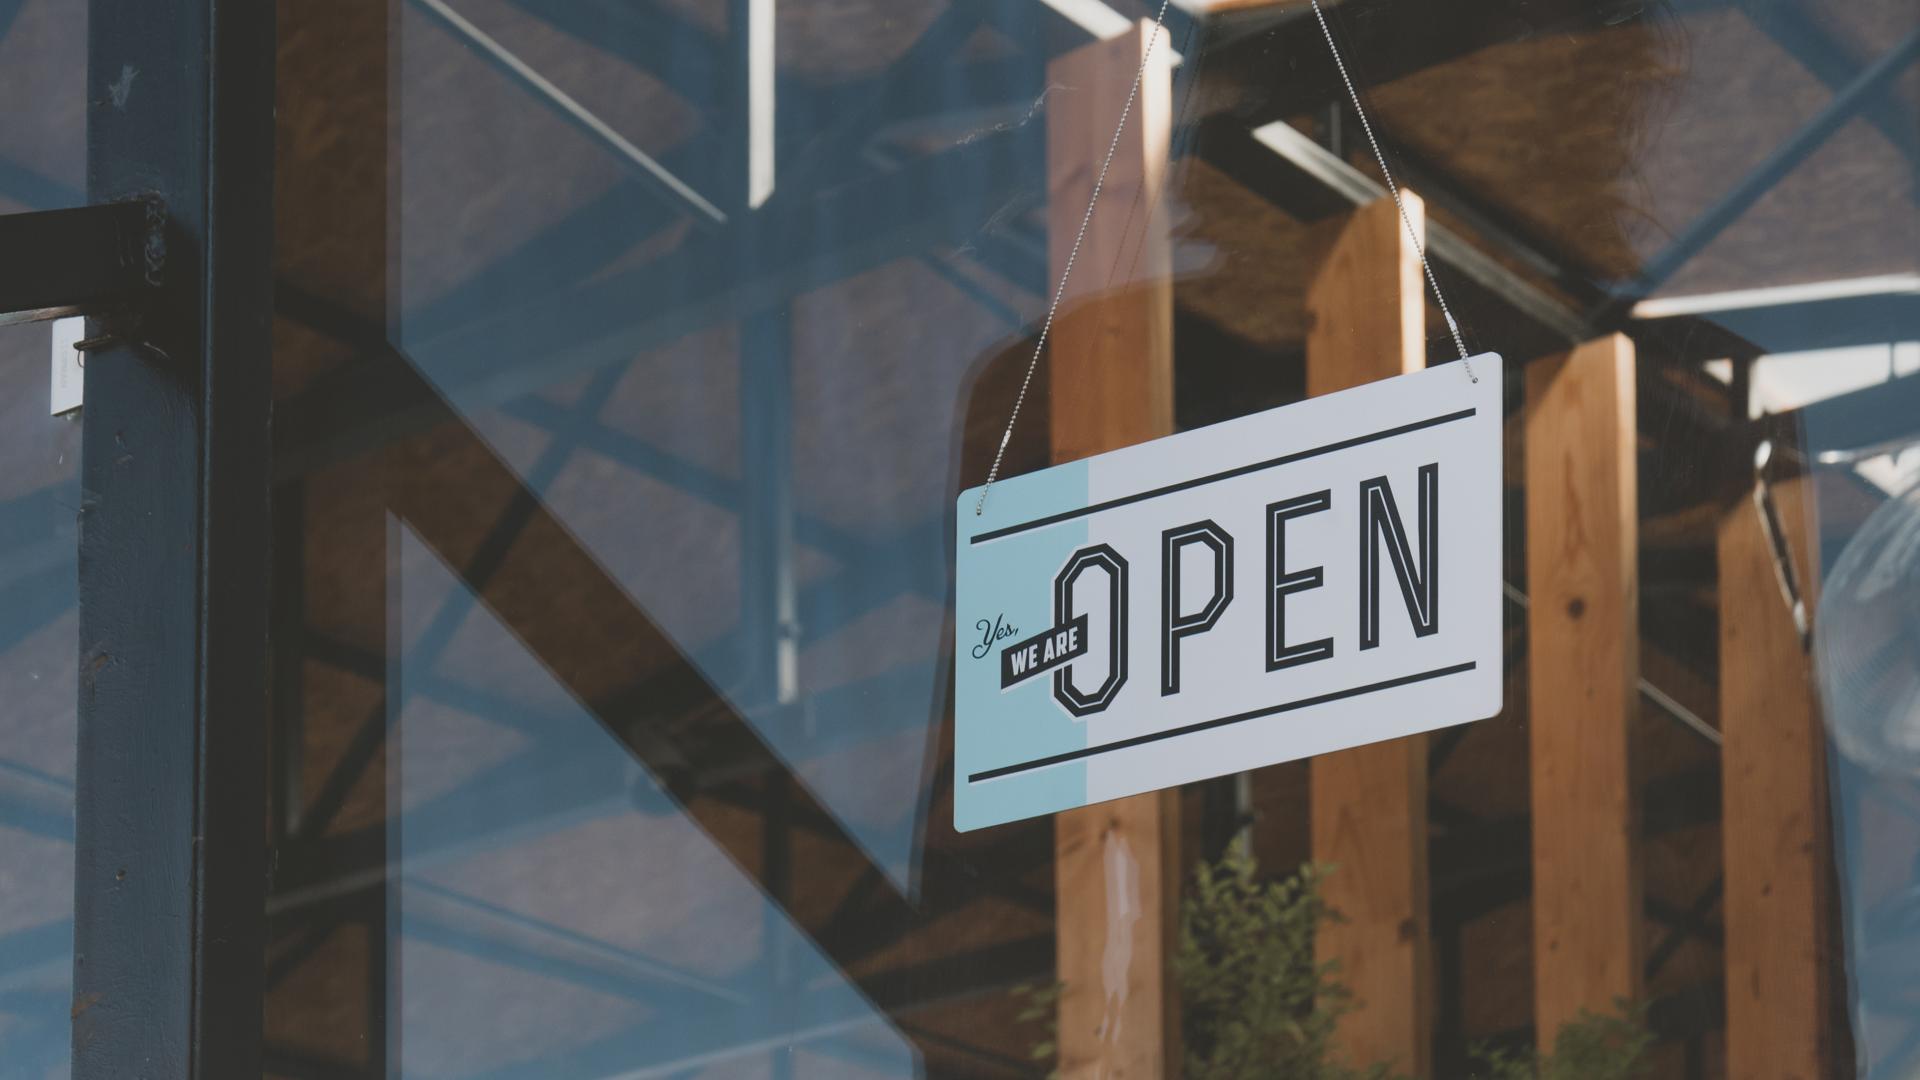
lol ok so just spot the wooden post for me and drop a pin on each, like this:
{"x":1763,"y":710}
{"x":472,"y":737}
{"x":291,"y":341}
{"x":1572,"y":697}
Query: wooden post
{"x":1774,"y":820}
{"x":1583,"y":576}
{"x":1116,"y":865}
{"x":1366,"y":316}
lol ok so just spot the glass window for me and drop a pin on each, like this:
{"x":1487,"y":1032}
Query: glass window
{"x":630,"y":359}
{"x":42,"y":167}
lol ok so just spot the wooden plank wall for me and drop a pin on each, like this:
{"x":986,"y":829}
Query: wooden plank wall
{"x":1367,"y":320}
{"x":1583,"y":676}
{"x":1116,"y":865}
{"x":1773,"y":793}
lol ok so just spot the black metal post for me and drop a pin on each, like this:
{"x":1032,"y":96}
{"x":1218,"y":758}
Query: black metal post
{"x":169,"y":874}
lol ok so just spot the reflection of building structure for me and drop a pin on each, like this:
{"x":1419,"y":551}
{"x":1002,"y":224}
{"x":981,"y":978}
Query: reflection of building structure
{"x":619,"y":418}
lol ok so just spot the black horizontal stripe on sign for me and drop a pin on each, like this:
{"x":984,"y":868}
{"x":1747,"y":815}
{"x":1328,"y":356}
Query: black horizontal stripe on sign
{"x":1236,"y":718}
{"x":1242,"y":470}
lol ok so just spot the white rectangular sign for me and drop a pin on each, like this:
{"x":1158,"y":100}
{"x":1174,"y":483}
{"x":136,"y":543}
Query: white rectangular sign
{"x":69,"y":371}
{"x":1303,"y":580}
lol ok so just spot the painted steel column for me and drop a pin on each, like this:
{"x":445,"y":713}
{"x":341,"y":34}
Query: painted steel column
{"x":170,"y":844}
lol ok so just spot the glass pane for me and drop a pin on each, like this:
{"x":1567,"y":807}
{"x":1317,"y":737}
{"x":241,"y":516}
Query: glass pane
{"x":39,"y":527}
{"x":621,"y":420}
{"x":43,"y":74}
{"x":42,"y":167}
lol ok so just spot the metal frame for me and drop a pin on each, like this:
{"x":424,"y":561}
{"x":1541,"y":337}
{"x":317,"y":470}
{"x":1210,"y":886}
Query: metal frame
{"x":169,"y":866}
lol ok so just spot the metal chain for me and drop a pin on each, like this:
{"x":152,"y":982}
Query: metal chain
{"x":1394,"y":189}
{"x":1066,"y":272}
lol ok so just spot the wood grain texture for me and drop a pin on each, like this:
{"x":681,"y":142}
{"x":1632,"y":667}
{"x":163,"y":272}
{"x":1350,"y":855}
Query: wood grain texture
{"x":1773,"y":794}
{"x":1117,"y":864}
{"x":1117,"y":881}
{"x":1111,"y":354}
{"x":1583,"y":671}
{"x":1366,"y":320}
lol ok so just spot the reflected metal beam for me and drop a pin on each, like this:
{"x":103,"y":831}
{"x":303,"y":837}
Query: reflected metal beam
{"x":36,"y":598}
{"x":873,"y":576}
{"x":612,"y":954}
{"x":46,"y":781}
{"x":660,"y":39}
{"x":1793,"y":27}
{"x":1799,"y":318}
{"x":769,"y":591}
{"x":369,"y":401}
{"x":441,"y":517}
{"x":1883,"y":414}
{"x":36,"y":819}
{"x":1735,"y":202}
{"x":511,"y":522}
{"x":35,"y":191}
{"x":524,"y":602}
{"x":899,"y":90}
{"x":543,"y":89}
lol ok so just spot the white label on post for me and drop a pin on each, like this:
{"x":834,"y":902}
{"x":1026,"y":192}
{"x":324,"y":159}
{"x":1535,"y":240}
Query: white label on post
{"x":69,"y":364}
{"x":1298,"y":581}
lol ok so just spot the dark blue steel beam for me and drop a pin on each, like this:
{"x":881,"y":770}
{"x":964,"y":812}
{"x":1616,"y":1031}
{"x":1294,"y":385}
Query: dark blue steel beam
{"x":170,"y":863}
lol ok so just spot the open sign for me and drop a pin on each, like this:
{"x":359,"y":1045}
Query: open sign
{"x":1302,"y":580}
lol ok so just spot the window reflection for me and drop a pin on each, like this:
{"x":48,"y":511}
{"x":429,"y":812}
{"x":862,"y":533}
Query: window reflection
{"x":612,"y":731}
{"x":42,"y":167}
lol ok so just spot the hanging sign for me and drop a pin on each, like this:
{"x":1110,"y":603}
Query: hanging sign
{"x":1298,"y":581}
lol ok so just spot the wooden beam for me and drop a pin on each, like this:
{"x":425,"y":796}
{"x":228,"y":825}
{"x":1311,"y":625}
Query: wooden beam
{"x":1111,"y":354}
{"x":1366,"y":317}
{"x":1116,"y":865}
{"x":1774,"y":801}
{"x":1583,"y":671}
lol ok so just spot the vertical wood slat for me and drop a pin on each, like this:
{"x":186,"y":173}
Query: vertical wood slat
{"x":1116,"y":865}
{"x":1583,"y":672}
{"x":1367,"y":321}
{"x":1774,"y":821}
